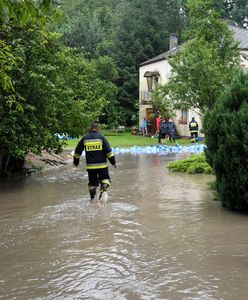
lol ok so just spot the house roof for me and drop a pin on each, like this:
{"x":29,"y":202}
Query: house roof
{"x":240,"y":35}
{"x":160,"y":57}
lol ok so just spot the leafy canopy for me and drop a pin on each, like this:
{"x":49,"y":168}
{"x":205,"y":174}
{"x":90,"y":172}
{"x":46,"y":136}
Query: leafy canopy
{"x":205,"y":64}
{"x":46,"y":88}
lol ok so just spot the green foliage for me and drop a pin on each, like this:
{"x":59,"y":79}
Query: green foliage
{"x":163,"y":103}
{"x":194,"y":164}
{"x":88,"y":25}
{"x":134,"y":31}
{"x":26,"y":112}
{"x":25,"y":11}
{"x":19,"y":13}
{"x":203,"y":66}
{"x":227,"y":141}
{"x":53,"y":89}
{"x":236,"y":10}
{"x":106,"y":68}
{"x":128,"y":31}
{"x":81,"y":93}
{"x":143,"y":31}
{"x":212,"y":185}
{"x":6,"y":62}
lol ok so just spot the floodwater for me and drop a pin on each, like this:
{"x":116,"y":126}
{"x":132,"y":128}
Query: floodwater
{"x":161,"y":236}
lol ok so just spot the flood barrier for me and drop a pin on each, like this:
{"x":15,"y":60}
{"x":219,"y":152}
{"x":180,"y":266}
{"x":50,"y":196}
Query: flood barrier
{"x":196,"y":148}
{"x":161,"y":149}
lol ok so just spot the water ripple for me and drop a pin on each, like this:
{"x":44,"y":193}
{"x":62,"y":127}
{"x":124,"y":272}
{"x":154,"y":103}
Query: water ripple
{"x":159,"y":237}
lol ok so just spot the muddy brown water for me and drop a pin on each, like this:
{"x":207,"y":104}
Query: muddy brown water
{"x":161,"y":236}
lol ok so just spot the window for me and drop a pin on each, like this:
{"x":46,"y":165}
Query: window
{"x":146,"y":96}
{"x":155,"y":81}
{"x":152,"y":79}
{"x":184,"y":116}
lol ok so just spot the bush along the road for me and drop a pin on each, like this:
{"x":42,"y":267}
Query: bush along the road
{"x":227,"y":142}
{"x":194,"y":164}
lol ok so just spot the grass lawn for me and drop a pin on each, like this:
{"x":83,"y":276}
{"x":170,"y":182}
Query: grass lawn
{"x":124,"y":140}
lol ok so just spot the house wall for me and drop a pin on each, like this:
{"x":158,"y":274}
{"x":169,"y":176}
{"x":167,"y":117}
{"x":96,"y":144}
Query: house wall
{"x":164,"y":69}
{"x":183,"y":129}
{"x":244,"y":58}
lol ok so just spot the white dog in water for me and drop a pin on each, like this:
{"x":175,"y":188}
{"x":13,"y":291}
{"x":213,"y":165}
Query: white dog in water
{"x":101,"y":198}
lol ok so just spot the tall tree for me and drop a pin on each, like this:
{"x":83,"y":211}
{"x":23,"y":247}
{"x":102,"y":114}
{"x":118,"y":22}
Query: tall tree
{"x":237,"y":11}
{"x":19,"y":13}
{"x":87,"y":25}
{"x":205,"y":64}
{"x":143,"y":30}
{"x":45,"y":89}
{"x":128,"y":31}
{"x":227,"y":142}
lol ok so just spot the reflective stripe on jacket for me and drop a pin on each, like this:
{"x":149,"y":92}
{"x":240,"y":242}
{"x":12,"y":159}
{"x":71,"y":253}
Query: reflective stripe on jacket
{"x":97,"y":151}
{"x":193,"y":126}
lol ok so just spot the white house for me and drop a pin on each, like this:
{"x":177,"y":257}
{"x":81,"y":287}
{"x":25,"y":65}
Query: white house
{"x":157,"y":70}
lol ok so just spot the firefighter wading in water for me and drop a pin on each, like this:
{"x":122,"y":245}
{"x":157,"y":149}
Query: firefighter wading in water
{"x":97,"y":151}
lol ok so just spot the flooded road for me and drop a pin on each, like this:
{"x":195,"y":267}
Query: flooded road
{"x":160,"y":237}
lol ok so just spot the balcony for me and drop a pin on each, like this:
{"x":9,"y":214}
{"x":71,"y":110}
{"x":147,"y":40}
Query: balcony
{"x":146,"y":98}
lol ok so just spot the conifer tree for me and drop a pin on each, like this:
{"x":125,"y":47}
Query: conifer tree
{"x":227,"y":141}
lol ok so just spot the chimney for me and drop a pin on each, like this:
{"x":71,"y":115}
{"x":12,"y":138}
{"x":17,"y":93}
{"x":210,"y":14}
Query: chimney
{"x":173,"y":41}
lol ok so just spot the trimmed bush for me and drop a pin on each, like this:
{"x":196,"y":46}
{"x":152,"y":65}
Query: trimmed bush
{"x":226,"y":129}
{"x":194,"y":164}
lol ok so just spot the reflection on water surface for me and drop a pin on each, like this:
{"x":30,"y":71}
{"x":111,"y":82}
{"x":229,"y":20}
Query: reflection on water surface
{"x":160,"y":237}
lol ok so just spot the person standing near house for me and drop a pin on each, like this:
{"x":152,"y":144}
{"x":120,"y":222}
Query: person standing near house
{"x":193,"y":128}
{"x":162,"y":130}
{"x":158,"y":121}
{"x":149,"y":126}
{"x":97,"y":151}
{"x":144,"y":127}
{"x":171,"y":129}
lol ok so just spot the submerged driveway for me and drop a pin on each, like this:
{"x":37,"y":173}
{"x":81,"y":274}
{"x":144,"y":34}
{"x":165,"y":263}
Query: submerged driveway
{"x":161,"y":236}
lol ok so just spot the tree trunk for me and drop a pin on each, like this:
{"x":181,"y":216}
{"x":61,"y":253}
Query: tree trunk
{"x":6,"y":164}
{"x":1,"y":159}
{"x":2,"y":165}
{"x":10,"y":165}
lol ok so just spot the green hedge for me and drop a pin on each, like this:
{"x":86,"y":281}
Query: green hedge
{"x":226,"y":129}
{"x":194,"y":164}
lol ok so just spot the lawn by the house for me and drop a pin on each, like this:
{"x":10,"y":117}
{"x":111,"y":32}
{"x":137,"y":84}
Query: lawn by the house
{"x":124,"y":140}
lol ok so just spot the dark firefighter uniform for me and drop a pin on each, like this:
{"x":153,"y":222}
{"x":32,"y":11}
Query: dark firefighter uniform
{"x":193,"y":128}
{"x":97,"y":151}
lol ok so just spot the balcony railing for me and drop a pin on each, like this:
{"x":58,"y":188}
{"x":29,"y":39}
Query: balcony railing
{"x":146,"y":97}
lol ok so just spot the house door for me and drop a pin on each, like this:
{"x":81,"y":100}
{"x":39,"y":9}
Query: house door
{"x":151,"y":121}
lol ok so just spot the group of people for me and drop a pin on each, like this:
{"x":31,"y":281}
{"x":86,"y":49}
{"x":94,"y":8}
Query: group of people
{"x":165,"y":127}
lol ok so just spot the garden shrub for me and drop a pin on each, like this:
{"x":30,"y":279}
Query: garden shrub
{"x":226,"y":130}
{"x":194,"y":164}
